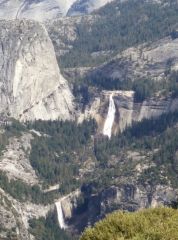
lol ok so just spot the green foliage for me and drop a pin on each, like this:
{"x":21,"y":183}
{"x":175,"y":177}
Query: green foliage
{"x":151,"y":177}
{"x":119,"y":27}
{"x":47,"y":229}
{"x":150,"y":224}
{"x":143,"y":87}
{"x":152,"y":127}
{"x":81,"y":93}
{"x":14,"y":128}
{"x":3,"y":142}
{"x":160,"y":134}
{"x":173,"y":83}
{"x":23,"y":192}
{"x":56,"y":155}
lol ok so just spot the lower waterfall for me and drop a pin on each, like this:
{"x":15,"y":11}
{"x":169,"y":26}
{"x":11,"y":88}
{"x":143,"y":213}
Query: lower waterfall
{"x":60,"y":215}
{"x":107,"y":130}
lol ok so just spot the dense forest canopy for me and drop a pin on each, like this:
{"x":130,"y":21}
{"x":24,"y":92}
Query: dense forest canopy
{"x":57,"y":154}
{"x":121,"y":25}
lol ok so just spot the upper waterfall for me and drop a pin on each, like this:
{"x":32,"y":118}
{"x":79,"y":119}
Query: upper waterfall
{"x":60,"y":215}
{"x":107,"y":130}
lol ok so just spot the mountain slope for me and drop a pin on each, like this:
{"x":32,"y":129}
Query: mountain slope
{"x":36,"y":10}
{"x":58,"y":166}
{"x":31,"y":84}
{"x":86,"y":6}
{"x":46,"y":9}
{"x":117,"y":27}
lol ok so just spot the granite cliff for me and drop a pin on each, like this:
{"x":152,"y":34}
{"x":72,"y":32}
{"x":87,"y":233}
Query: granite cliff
{"x":127,"y":110}
{"x":42,"y":163}
{"x":31,"y":84}
{"x":45,"y":9}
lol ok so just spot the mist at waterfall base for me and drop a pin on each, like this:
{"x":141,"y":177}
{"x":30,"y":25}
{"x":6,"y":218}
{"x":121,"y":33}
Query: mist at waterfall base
{"x":60,"y":215}
{"x":107,"y":130}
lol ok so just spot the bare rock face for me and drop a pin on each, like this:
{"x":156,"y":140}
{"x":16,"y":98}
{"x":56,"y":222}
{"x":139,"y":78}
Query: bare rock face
{"x":31,"y":86}
{"x":127,"y":196}
{"x":86,"y":6}
{"x":46,"y":9}
{"x":15,"y":162}
{"x":127,"y":110}
{"x":69,"y":203}
{"x":131,"y":197}
{"x":32,"y":9}
{"x":15,"y":216}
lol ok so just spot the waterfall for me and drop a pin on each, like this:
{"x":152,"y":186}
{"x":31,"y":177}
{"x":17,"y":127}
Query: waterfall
{"x":60,"y":215}
{"x":107,"y":130}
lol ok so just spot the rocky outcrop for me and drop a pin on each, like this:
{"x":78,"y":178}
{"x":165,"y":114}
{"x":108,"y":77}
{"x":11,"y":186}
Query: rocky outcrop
{"x":86,"y":6}
{"x":15,"y":216}
{"x":132,"y":197}
{"x":64,"y":31}
{"x":31,"y":86}
{"x":151,"y":60}
{"x":127,"y":110}
{"x":14,"y":160}
{"x":46,"y":9}
{"x":68,"y":204}
{"x":128,"y":196}
{"x":32,"y":9}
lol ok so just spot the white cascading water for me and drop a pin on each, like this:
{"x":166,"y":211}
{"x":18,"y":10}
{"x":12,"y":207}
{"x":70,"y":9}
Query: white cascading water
{"x":60,"y":215}
{"x":107,"y":130}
